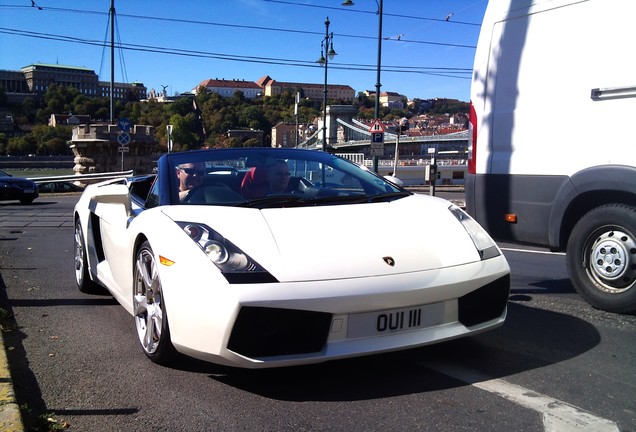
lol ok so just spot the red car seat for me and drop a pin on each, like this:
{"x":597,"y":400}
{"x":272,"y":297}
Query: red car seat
{"x":255,"y":184}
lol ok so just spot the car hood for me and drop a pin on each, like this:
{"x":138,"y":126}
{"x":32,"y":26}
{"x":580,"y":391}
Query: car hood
{"x":411,"y":234}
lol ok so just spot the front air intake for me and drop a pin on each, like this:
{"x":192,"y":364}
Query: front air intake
{"x":265,"y":332}
{"x":485,"y":303}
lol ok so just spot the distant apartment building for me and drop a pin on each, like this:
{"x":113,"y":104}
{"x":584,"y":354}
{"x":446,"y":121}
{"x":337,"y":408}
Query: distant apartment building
{"x":36,"y":79}
{"x":387,"y":99}
{"x":391,"y":100}
{"x":227,"y":88}
{"x":284,"y":134}
{"x":271,"y":87}
{"x":123,"y":91}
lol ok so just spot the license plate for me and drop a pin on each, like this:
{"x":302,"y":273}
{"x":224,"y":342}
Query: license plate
{"x":28,"y":191}
{"x":395,"y":320}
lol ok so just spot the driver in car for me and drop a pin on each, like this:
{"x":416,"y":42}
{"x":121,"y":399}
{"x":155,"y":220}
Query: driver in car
{"x":278,"y":177}
{"x":189,"y":176}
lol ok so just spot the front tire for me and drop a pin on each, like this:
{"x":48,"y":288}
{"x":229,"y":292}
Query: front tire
{"x":149,"y":308}
{"x":601,"y":257}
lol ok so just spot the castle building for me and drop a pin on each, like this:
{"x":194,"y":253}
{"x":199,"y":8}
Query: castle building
{"x":35,"y":80}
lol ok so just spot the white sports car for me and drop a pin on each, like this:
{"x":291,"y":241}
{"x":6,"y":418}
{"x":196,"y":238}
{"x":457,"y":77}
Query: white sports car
{"x":260,"y":257}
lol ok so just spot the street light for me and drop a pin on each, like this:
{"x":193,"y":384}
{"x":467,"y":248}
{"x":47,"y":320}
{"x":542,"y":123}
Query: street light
{"x":379,"y":68}
{"x":326,"y":53}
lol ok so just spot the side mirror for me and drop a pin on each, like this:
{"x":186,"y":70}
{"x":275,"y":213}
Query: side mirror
{"x":394,"y":180}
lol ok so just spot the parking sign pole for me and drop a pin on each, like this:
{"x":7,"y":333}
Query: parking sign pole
{"x":123,"y":138}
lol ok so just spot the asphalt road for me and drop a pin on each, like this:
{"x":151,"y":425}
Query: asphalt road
{"x":557,"y":364}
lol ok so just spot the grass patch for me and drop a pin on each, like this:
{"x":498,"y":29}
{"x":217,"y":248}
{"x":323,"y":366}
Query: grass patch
{"x":44,"y":422}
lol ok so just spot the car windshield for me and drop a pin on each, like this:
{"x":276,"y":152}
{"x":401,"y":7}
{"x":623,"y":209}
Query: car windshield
{"x":263,"y":178}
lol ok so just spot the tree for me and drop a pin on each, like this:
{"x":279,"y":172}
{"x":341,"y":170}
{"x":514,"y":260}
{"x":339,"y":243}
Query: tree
{"x":22,"y":145}
{"x":183,"y":131}
{"x":51,"y":140}
{"x":252,"y":117}
{"x":182,"y":106}
{"x":364,"y":101}
{"x":238,"y":98}
{"x":251,"y":142}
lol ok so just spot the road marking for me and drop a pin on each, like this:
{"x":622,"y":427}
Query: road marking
{"x":558,"y":416}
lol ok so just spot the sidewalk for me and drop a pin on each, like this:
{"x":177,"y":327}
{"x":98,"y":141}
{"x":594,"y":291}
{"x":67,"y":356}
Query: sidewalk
{"x":10,"y":418}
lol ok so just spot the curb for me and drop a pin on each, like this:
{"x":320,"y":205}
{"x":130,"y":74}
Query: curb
{"x":10,"y":417}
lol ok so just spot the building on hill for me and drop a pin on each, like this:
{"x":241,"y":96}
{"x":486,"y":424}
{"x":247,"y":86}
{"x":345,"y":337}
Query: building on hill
{"x":68,"y":120}
{"x":392,"y":100}
{"x":227,"y":88}
{"x":162,"y":97}
{"x":271,"y":87}
{"x":387,"y":99}
{"x":35,"y":80}
{"x":284,"y":134}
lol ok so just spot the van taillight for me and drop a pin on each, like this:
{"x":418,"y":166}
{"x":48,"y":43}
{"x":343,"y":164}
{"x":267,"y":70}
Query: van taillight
{"x":472,"y":139}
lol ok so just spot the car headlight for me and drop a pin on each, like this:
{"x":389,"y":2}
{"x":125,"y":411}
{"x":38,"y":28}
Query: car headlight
{"x":483,"y":242}
{"x":236,"y":265}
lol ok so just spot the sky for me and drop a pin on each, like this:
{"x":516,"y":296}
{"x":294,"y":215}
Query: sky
{"x":427,"y":46}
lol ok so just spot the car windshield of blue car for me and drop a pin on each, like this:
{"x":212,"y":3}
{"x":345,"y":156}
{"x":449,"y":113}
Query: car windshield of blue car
{"x":270,"y":178}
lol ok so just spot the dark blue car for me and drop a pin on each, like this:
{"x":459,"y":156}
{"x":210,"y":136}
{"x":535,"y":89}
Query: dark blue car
{"x":15,"y":188}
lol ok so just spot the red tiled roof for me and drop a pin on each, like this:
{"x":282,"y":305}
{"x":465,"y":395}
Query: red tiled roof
{"x":229,"y":84}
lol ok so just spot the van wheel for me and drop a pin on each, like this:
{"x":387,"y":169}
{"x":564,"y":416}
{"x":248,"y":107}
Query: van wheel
{"x":601,"y":257}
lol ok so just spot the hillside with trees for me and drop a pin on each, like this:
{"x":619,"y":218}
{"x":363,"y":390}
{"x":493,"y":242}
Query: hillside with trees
{"x":199,"y":122}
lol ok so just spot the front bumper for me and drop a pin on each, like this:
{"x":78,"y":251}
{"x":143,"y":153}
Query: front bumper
{"x":18,"y":194}
{"x":261,"y":332}
{"x":271,"y":325}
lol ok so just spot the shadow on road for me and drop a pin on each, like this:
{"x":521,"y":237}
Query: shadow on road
{"x":516,"y":347}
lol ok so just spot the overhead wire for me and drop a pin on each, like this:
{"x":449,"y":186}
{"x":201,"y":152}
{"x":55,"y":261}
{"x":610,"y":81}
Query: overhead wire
{"x":436,"y":71}
{"x":261,"y":28}
{"x":347,"y":9}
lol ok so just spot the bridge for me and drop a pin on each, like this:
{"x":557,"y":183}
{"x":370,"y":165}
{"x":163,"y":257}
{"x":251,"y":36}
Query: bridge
{"x":346,"y":134}
{"x":350,"y":138}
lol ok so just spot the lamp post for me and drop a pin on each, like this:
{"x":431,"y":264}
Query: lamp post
{"x":296,"y":115}
{"x":112,"y":62}
{"x":379,"y":68}
{"x":326,"y":53}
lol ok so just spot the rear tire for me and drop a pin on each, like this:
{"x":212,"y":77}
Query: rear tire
{"x":82,"y":275}
{"x":601,"y":257}
{"x":149,"y":310}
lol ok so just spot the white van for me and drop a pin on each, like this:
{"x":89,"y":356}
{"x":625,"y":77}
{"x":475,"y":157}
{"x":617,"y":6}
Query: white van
{"x":553,"y":148}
